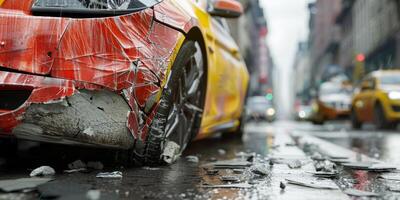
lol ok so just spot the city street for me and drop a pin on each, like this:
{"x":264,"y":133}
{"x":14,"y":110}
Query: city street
{"x":270,"y":148}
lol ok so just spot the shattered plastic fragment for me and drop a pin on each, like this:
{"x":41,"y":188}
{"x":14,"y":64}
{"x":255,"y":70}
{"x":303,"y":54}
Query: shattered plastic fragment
{"x":318,"y":184}
{"x":193,"y":159}
{"x":239,"y":185}
{"x":230,"y":164}
{"x":171,"y":152}
{"x":116,"y":174}
{"x":43,"y":171}
{"x":295,"y":164}
{"x":360,"y":193}
{"x":230,"y":179}
{"x":259,"y":169}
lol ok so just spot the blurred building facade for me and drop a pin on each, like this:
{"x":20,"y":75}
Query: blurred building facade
{"x":359,"y":36}
{"x":250,"y":32}
{"x":302,"y":72}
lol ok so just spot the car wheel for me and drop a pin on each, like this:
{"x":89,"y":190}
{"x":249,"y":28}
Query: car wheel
{"x":356,"y":124}
{"x":179,"y":114}
{"x":380,"y":120}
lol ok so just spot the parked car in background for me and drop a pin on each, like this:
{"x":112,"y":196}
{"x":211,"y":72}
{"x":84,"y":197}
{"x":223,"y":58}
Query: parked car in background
{"x":144,"y":76}
{"x":260,"y":108}
{"x":333,"y":102}
{"x":377,"y":100}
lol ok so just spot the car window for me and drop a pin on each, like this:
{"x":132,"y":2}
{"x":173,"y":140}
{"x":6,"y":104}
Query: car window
{"x":390,"y":79}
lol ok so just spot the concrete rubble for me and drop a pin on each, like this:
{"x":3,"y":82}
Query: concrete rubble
{"x":43,"y":171}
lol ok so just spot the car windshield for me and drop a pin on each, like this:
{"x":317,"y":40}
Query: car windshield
{"x":96,"y":4}
{"x":390,"y":79}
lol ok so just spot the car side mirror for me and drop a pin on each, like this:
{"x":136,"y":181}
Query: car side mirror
{"x":366,"y":86}
{"x":226,"y":9}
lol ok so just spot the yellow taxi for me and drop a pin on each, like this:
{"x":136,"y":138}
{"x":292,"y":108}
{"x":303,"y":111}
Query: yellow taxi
{"x":377,"y":100}
{"x":333,"y":102}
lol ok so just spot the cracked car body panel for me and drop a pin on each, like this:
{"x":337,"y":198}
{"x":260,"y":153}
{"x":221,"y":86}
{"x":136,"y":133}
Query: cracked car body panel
{"x":125,"y":57}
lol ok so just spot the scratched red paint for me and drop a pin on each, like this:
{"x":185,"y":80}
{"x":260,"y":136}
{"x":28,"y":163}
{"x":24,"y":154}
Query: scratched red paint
{"x":58,"y":56}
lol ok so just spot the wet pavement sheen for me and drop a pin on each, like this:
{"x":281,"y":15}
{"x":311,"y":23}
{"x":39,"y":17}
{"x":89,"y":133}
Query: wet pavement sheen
{"x":185,"y":179}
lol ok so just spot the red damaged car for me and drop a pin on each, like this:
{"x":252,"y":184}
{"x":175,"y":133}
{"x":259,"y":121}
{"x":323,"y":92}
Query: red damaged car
{"x":138,"y":75}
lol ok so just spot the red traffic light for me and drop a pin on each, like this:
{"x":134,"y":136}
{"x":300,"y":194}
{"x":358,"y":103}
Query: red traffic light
{"x":360,"y":57}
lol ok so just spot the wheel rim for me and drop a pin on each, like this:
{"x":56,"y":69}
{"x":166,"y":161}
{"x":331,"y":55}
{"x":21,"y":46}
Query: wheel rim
{"x":186,"y":101}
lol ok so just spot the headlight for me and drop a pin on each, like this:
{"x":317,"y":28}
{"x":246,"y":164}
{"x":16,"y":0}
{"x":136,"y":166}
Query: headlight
{"x":271,"y":112}
{"x":394,"y":95}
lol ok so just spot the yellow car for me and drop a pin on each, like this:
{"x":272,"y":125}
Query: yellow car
{"x":145,"y":76}
{"x":333,"y":102}
{"x":377,"y":100}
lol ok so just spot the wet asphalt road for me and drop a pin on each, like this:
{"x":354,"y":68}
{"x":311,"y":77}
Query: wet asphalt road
{"x":183,"y":179}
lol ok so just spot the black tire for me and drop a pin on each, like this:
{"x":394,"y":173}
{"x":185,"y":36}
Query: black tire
{"x":380,"y":120}
{"x":355,"y":123}
{"x":179,"y":114}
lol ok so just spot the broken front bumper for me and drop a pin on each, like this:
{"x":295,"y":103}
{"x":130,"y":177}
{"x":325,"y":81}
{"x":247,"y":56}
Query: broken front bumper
{"x":55,"y":111}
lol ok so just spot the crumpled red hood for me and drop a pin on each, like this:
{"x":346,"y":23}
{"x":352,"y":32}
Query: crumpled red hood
{"x":28,"y":44}
{"x":102,"y":51}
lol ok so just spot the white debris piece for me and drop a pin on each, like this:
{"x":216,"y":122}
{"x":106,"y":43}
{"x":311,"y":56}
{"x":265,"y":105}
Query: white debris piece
{"x":221,"y":152}
{"x":43,"y":171}
{"x":171,"y":152}
{"x":193,"y":159}
{"x":116,"y":174}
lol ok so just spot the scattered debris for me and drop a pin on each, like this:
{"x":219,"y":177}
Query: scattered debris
{"x":282,"y":185}
{"x":322,"y":174}
{"x":230,"y":164}
{"x":318,"y":184}
{"x":221,"y":152}
{"x":259,"y":170}
{"x":116,"y":174}
{"x":381,"y":167}
{"x":238,"y":171}
{"x":358,"y":165}
{"x":340,"y":161}
{"x":78,"y":164}
{"x":95,"y":165}
{"x":246,"y":156}
{"x":325,"y":166}
{"x":13,"y":185}
{"x":370,"y":166}
{"x":43,"y":171}
{"x":239,"y":185}
{"x":212,"y":172}
{"x":230,"y":179}
{"x":93,"y":194}
{"x":295,"y":164}
{"x":171,"y":152}
{"x":360,"y":193}
{"x":193,"y":159}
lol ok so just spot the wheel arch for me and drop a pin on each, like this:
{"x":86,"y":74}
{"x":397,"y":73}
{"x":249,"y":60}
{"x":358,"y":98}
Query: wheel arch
{"x":195,"y":34}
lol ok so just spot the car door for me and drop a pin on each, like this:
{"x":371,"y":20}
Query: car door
{"x":226,"y":93}
{"x":364,"y":100}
